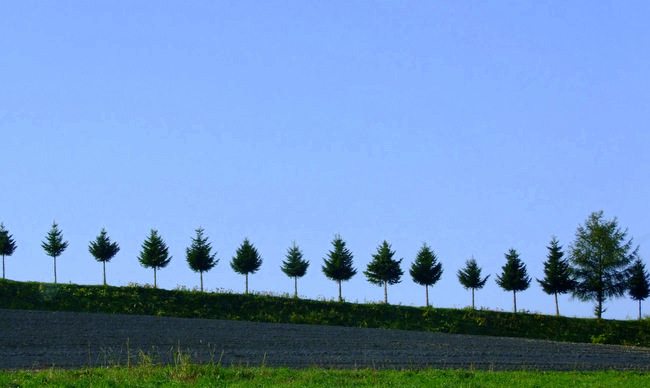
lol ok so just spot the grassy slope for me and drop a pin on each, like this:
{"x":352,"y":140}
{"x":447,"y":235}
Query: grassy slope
{"x":263,"y":308}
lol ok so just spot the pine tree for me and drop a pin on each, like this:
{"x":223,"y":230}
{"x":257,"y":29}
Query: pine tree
{"x":557,"y":273}
{"x":383,"y":270}
{"x":247,"y":260}
{"x":426,"y":270}
{"x":7,"y":245}
{"x":514,"y":276}
{"x":470,"y":277}
{"x":639,"y":283}
{"x":199,"y":256}
{"x":54,"y":244}
{"x":600,"y":257}
{"x":103,"y":249}
{"x":154,"y":254}
{"x":295,"y":267}
{"x":339,"y":266}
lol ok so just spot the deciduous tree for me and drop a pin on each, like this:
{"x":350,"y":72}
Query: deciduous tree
{"x":383,"y":269}
{"x":247,"y":260}
{"x":557,"y":273}
{"x":103,"y":249}
{"x":199,"y":255}
{"x":639,"y":283}
{"x":426,"y":270}
{"x":470,"y":277}
{"x":154,"y":254}
{"x":54,"y":244}
{"x":339,"y":265}
{"x":7,"y":245}
{"x":295,"y":267}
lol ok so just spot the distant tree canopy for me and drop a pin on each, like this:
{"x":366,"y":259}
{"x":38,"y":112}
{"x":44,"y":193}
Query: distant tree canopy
{"x":7,"y":245}
{"x":154,"y":254}
{"x":294,"y":267}
{"x":639,"y":283}
{"x":199,"y":255}
{"x":383,"y":269}
{"x":426,"y":270}
{"x":339,"y":265}
{"x":600,"y":256}
{"x":470,"y":277}
{"x":54,"y":245}
{"x":103,"y":249}
{"x":247,"y":260}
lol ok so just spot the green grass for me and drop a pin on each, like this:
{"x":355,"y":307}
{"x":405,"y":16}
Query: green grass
{"x":284,"y":309}
{"x":215,"y":376}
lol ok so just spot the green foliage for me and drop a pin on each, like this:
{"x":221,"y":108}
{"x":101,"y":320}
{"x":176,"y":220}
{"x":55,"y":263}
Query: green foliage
{"x":470,"y":277}
{"x":514,"y":276}
{"x":426,"y":270}
{"x":295,"y":267}
{"x":54,"y":245}
{"x":7,"y":245}
{"x":154,"y":254}
{"x":639,"y":283}
{"x":600,"y":257}
{"x":339,"y":265}
{"x":103,"y":250}
{"x":383,"y":270}
{"x":247,"y":260}
{"x":199,"y":255}
{"x":557,"y":273}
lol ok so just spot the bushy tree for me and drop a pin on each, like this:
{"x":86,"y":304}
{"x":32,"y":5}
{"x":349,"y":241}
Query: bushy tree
{"x":295,"y":267}
{"x":154,"y":254}
{"x":247,"y":260}
{"x":103,"y":249}
{"x":383,"y":270}
{"x":7,"y":245}
{"x":426,"y":270}
{"x":600,"y":257}
{"x":514,"y":276}
{"x":199,"y":255}
{"x":639,"y":283}
{"x":339,"y":265}
{"x":557,"y":273}
{"x":54,"y":245}
{"x":470,"y":277}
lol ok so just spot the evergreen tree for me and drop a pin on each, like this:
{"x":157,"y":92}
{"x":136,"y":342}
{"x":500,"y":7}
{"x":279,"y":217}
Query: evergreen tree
{"x":600,"y":258}
{"x":514,"y":276}
{"x":383,"y":270}
{"x":470,"y":277}
{"x":557,"y":273}
{"x":7,"y":245}
{"x":639,"y":283}
{"x":103,"y":249}
{"x":247,"y":260}
{"x":54,"y":244}
{"x":199,"y":255}
{"x":426,"y":270}
{"x":339,"y":266}
{"x":295,"y":267}
{"x":154,"y":254}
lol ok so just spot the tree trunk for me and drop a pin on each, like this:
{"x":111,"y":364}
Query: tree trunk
{"x":3,"y":266}
{"x":154,"y":278}
{"x":340,"y":298}
{"x":557,"y":309}
{"x":386,"y":292}
{"x":639,"y":309}
{"x":426,"y":291}
{"x":201,"y":274}
{"x":246,"y":282}
{"x":599,"y":313}
{"x":104,"y":267}
{"x":295,"y":286}
{"x":54,"y":269}
{"x":473,"y":299}
{"x":514,"y":298}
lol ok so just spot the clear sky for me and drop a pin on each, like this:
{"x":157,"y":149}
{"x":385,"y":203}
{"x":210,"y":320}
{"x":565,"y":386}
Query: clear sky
{"x":475,"y":127}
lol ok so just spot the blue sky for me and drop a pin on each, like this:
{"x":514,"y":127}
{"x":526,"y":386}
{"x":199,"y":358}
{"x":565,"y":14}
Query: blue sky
{"x":471,"y":126}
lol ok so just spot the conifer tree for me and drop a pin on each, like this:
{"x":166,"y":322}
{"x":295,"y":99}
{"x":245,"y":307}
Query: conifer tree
{"x":600,"y":257}
{"x":199,"y":255}
{"x":54,"y":244}
{"x":154,"y":254}
{"x":557,"y":273}
{"x":295,"y":267}
{"x":639,"y":283}
{"x":514,"y":276}
{"x":247,"y":260}
{"x":470,"y":277}
{"x":7,"y":245}
{"x":103,"y":249}
{"x":426,"y":270}
{"x":383,"y":270}
{"x":339,"y":265}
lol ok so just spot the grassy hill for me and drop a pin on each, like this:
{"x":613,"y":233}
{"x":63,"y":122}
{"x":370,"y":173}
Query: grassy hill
{"x":263,"y":308}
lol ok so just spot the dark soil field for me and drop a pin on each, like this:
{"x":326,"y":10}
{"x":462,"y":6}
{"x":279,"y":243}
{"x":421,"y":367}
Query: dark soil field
{"x":37,"y":339}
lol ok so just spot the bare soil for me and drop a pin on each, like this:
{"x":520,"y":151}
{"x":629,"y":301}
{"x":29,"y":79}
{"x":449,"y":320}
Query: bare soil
{"x":38,"y":339}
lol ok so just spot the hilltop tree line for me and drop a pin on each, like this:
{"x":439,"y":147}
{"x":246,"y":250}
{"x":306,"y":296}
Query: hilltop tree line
{"x":602,"y":263}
